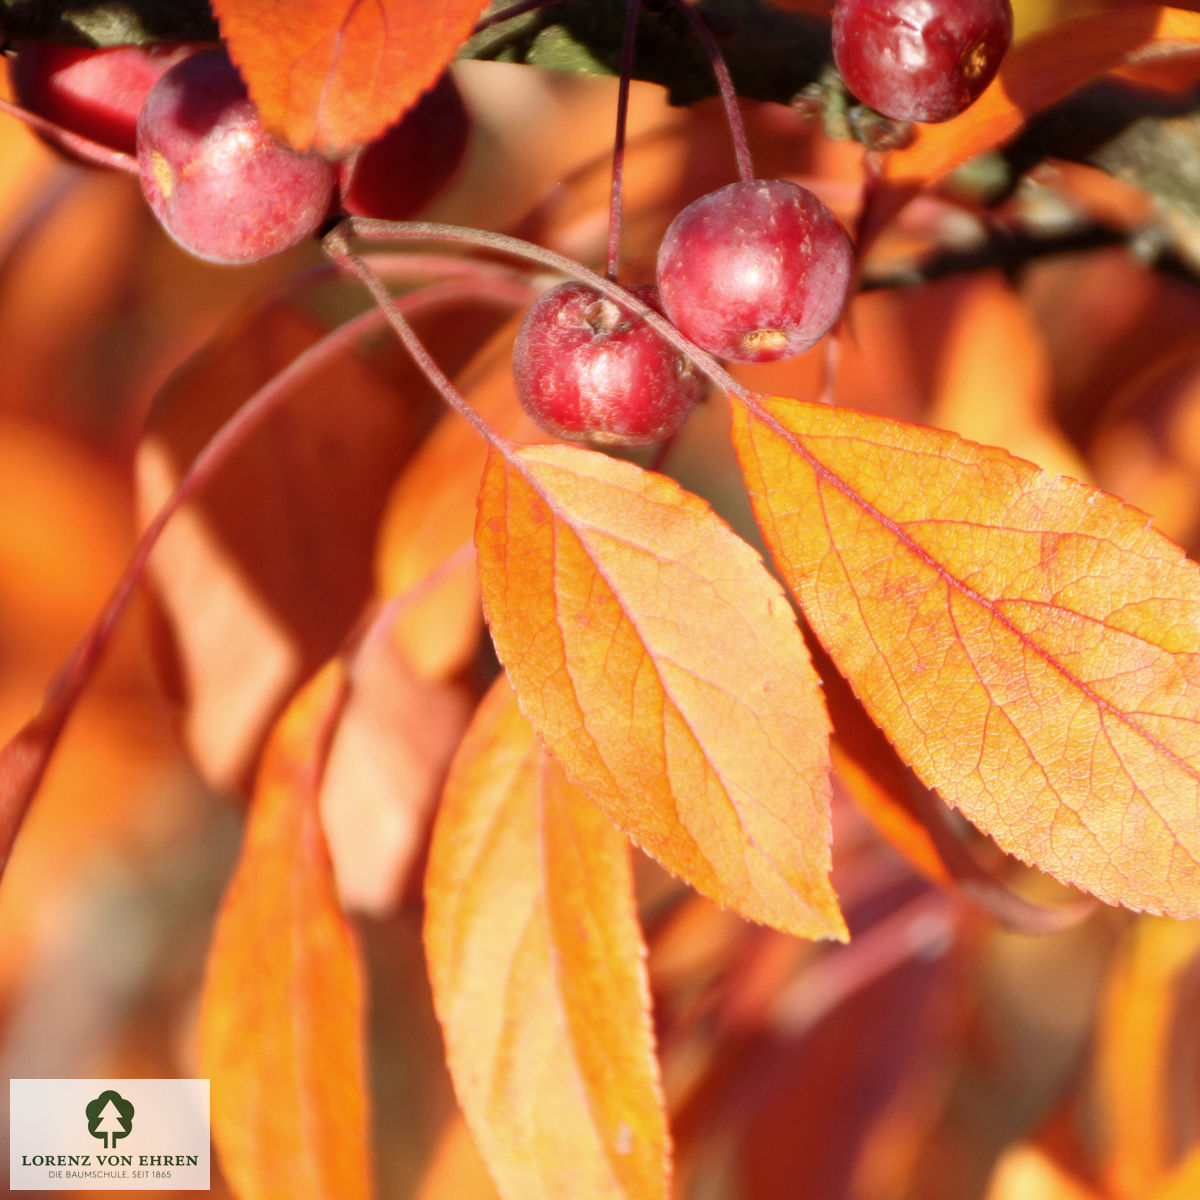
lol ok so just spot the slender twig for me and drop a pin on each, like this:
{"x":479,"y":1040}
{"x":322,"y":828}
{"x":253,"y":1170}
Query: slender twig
{"x":338,"y":248}
{"x":374,"y":630}
{"x":618,"y":160}
{"x":660,"y":454}
{"x":733,"y":113}
{"x":406,"y":268}
{"x":829,"y":365}
{"x":432,"y":231}
{"x":89,"y":151}
{"x":28,"y":753}
{"x":923,"y":928}
{"x":1012,"y":251}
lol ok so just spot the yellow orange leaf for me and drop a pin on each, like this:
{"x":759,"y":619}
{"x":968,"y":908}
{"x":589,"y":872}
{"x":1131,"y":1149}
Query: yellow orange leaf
{"x":665,"y":670}
{"x":454,"y":1170}
{"x":281,"y":1024}
{"x":387,"y":762}
{"x":426,"y":524}
{"x":536,"y":961}
{"x":431,"y":513}
{"x":1029,"y":645}
{"x":331,"y":74}
{"x":875,"y":778}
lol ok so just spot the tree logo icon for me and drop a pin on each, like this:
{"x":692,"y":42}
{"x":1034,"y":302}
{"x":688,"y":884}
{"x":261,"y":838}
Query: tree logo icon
{"x":109,"y":1116}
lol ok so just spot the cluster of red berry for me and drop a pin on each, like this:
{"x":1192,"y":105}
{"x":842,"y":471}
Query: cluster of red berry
{"x":222,"y":187}
{"x":755,"y":271}
{"x":758,"y":270}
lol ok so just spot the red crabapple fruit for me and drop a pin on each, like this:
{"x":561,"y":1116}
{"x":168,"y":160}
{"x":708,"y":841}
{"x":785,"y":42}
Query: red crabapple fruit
{"x":920,"y":60}
{"x":587,"y":369}
{"x":95,"y":93}
{"x":755,"y":271}
{"x":398,"y":174}
{"x":222,"y":187}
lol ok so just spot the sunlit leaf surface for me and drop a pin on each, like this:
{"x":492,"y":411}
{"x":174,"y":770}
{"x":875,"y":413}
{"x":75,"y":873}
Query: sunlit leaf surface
{"x":1029,"y":644}
{"x":281,"y":1025}
{"x":328,"y":75}
{"x":535,"y":956}
{"x":650,"y":648}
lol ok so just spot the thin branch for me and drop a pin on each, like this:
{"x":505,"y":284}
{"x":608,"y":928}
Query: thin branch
{"x":337,"y":246}
{"x":923,"y":928}
{"x":733,"y":112}
{"x":25,"y":757}
{"x":618,"y":159}
{"x":432,"y":231}
{"x":95,"y":153}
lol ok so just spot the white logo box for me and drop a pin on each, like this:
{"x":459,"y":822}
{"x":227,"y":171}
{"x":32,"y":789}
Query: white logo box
{"x":58,"y":1143}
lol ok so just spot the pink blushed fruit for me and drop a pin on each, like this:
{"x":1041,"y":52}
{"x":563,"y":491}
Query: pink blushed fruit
{"x":222,"y":187}
{"x":96,"y":93}
{"x":920,"y":60}
{"x":755,"y":271}
{"x":588,"y":369}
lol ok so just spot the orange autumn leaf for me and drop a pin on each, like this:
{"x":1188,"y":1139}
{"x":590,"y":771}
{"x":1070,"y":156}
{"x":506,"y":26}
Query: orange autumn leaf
{"x":1184,"y":1184}
{"x":430,"y":514}
{"x":1037,"y":73}
{"x":1029,"y":644}
{"x":329,"y":75}
{"x":536,"y":962}
{"x":1136,"y":1058}
{"x":298,"y":501}
{"x":454,"y":1170}
{"x":994,"y":378}
{"x":387,"y":762}
{"x":912,"y":819}
{"x":425,"y":529}
{"x":875,"y":779}
{"x":665,"y":670}
{"x":281,"y":1023}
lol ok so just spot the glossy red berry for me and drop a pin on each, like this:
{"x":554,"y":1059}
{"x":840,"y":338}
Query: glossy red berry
{"x":587,"y":369}
{"x":95,"y":93}
{"x":755,"y":271}
{"x":222,"y":187}
{"x":398,"y":174}
{"x":920,"y":60}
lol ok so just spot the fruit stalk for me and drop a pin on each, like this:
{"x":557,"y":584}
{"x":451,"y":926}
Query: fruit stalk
{"x":618,"y":163}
